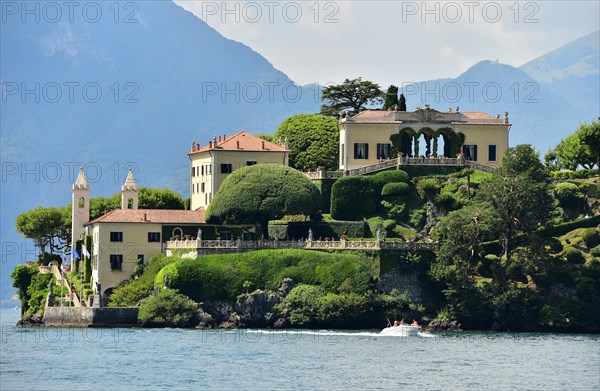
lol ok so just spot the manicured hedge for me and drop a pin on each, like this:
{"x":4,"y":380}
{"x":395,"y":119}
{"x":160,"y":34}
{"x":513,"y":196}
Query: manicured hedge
{"x":591,"y":237}
{"x":395,"y":189}
{"x":324,"y":186}
{"x":335,"y":230}
{"x":382,"y":178}
{"x":222,"y":276}
{"x":564,"y":228}
{"x":352,"y":198}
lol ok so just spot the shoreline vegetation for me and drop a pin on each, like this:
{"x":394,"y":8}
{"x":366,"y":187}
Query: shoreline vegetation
{"x":519,"y":250}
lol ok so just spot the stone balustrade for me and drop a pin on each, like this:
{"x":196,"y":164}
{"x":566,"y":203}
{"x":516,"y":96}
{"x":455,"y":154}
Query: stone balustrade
{"x":300,"y":244}
{"x":408,"y":161}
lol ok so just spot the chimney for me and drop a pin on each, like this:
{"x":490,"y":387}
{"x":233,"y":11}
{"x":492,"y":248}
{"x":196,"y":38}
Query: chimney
{"x":215,"y":141}
{"x":224,"y":136}
{"x":219,"y":138}
{"x":193,"y":145}
{"x":263,"y":145}
{"x":210,"y":144}
{"x":237,"y":144}
{"x":145,"y":217}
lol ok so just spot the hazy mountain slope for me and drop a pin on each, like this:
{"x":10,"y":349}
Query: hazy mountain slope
{"x":573,"y":72}
{"x":160,"y":80}
{"x":539,"y":116}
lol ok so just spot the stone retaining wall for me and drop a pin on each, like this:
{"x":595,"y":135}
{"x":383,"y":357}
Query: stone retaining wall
{"x":90,"y":317}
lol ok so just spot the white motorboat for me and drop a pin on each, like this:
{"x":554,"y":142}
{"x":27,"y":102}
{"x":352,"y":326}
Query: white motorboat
{"x":403,"y":330}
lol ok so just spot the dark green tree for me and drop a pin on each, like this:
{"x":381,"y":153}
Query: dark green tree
{"x":519,"y":191}
{"x":352,"y":95}
{"x":49,"y":228}
{"x":257,"y":194}
{"x":101,"y":205}
{"x":168,"y":309}
{"x":402,"y":103}
{"x":589,"y":134}
{"x":391,"y":98}
{"x":151,"y":198}
{"x":21,"y":277}
{"x":581,"y":148}
{"x":312,"y":139}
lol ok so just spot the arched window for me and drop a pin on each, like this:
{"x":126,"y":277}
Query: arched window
{"x":82,"y":202}
{"x":177,"y":233}
{"x":130,"y":203}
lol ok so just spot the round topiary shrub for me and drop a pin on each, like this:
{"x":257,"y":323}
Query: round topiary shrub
{"x":591,"y":237}
{"x":575,"y":256}
{"x":555,"y":245}
{"x":352,"y":198}
{"x":395,"y":189}
{"x":567,"y":193}
{"x":389,"y":225}
{"x":382,"y":178}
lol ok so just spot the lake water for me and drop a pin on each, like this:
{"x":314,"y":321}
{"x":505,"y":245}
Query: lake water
{"x":123,"y":359}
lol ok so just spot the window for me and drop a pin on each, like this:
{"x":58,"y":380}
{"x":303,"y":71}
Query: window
{"x":470,"y":152}
{"x":248,"y":235}
{"x":116,"y":261}
{"x":202,"y":187}
{"x":225,"y":235}
{"x":193,"y":171}
{"x":250,"y":162}
{"x":116,"y":236}
{"x":206,"y":198}
{"x":361,"y":151}
{"x":202,"y":170}
{"x":140,"y":259}
{"x":225,"y":168}
{"x":383,"y":151}
{"x":342,"y":155}
{"x":154,"y":237}
{"x":491,"y":153}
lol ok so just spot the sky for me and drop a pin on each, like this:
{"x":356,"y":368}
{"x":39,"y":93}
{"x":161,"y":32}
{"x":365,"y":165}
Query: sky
{"x":396,"y":42}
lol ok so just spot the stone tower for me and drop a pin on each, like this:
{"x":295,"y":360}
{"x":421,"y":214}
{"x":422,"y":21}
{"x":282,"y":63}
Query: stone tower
{"x":80,"y":207}
{"x":129,"y":193}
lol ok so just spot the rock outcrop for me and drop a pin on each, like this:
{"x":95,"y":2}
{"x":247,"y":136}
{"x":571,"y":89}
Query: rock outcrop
{"x":256,"y":309}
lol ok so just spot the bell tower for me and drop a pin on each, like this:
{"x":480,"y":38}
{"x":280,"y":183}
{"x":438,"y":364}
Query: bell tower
{"x":80,"y":206}
{"x":129,"y":193}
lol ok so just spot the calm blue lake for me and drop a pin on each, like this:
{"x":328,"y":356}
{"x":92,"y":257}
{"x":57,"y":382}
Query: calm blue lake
{"x":135,"y":359}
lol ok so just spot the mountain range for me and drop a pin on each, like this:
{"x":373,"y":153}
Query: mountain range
{"x":110,"y":95}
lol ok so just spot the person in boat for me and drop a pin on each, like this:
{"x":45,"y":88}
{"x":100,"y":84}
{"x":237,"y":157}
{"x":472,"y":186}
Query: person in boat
{"x":414,"y":323}
{"x":396,"y":323}
{"x":402,"y":322}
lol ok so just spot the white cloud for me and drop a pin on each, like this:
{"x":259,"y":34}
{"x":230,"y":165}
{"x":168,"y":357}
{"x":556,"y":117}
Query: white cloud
{"x":396,"y":41}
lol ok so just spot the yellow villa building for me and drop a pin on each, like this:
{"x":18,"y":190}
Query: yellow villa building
{"x":374,"y":135}
{"x":211,"y":164}
{"x":127,"y":237}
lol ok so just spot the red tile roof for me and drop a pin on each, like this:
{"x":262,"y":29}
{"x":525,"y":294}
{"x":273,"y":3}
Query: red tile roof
{"x":241,"y":141}
{"x":161,"y":216}
{"x":476,"y":115}
{"x":373,"y":114}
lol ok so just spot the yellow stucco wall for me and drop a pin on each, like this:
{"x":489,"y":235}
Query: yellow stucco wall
{"x":373,"y":134}
{"x":213,"y":177}
{"x":135,"y":241}
{"x":483,"y":136}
